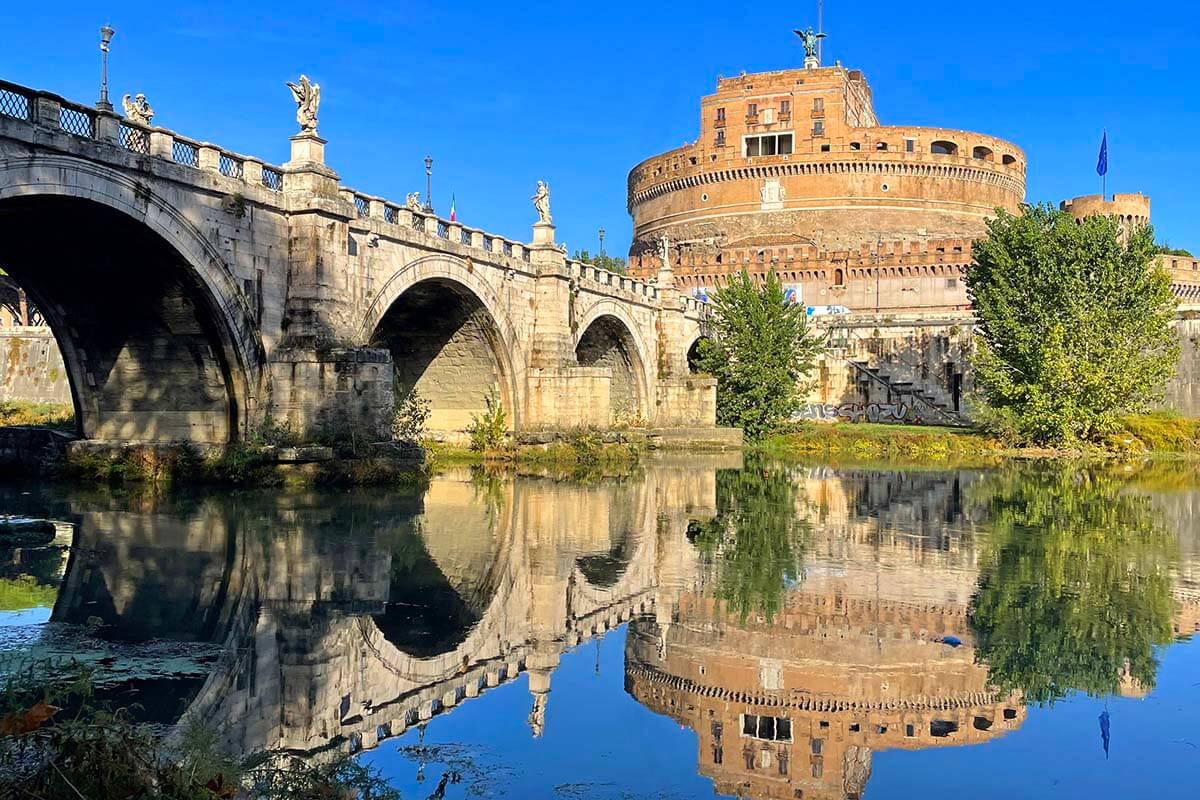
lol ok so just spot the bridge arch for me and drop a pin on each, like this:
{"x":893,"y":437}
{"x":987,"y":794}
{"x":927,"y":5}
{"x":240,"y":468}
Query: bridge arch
{"x":156,"y":336}
{"x":450,"y":338}
{"x":608,"y":336}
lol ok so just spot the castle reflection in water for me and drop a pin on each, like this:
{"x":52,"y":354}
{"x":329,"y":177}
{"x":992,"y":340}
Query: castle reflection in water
{"x":344,"y":620}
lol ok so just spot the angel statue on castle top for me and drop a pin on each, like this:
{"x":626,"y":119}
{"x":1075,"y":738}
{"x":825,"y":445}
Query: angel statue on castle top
{"x":308,"y":98}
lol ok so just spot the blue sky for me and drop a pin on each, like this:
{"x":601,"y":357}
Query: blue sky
{"x":504,"y":94}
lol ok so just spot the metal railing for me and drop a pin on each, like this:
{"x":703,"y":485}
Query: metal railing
{"x":391,"y":214}
{"x":362,"y":206}
{"x":134,"y":139}
{"x":185,"y":153}
{"x":77,"y":122}
{"x":272,"y":179}
{"x":464,"y":237}
{"x":229,"y":166}
{"x":418,"y":222}
{"x":13,"y":102}
{"x":506,"y":248}
{"x":443,"y":231}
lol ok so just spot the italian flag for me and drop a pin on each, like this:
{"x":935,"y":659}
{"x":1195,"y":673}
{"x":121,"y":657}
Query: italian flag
{"x":453,"y":214}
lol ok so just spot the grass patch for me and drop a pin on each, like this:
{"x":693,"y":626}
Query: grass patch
{"x":45,"y":415}
{"x":22,"y":592}
{"x":1158,"y":432}
{"x":867,"y":440}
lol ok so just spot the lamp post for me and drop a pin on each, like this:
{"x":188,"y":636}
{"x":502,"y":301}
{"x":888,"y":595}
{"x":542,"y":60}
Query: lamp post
{"x":602,"y":241}
{"x":106,"y":34}
{"x":428,"y":179}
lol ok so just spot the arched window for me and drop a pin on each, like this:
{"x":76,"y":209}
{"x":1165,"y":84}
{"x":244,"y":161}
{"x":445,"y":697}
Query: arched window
{"x":982,"y":153}
{"x":1008,"y":160}
{"x":943,"y":148}
{"x":881,"y":146}
{"x":839,"y":279}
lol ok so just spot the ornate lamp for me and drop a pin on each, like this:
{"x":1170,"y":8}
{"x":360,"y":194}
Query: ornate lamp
{"x":106,"y":34}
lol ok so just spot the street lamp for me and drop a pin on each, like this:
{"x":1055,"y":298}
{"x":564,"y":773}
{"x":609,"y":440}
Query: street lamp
{"x":428,"y":176}
{"x":602,"y":241}
{"x":106,"y":34}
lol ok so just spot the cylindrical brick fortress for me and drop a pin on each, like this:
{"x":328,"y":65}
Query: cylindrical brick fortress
{"x":797,"y":158}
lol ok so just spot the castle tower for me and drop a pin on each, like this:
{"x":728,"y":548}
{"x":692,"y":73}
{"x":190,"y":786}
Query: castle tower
{"x":1131,"y":210}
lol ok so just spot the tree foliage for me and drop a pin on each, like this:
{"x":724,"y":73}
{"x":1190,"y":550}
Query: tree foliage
{"x":1075,"y":583}
{"x":1074,"y":325}
{"x":602,"y":260}
{"x":760,"y":352}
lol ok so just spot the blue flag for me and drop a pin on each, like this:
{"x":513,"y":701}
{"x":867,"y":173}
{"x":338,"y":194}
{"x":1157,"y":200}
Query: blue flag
{"x":1102,"y":162}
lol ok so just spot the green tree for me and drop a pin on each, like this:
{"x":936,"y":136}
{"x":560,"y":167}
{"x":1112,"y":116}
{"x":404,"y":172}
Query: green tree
{"x":760,"y":353}
{"x":1074,"y":324}
{"x":1075,"y":582}
{"x":754,"y":546}
{"x":603,"y":261}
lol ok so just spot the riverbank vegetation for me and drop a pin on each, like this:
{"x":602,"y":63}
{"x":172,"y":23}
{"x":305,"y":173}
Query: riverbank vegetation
{"x":1074,"y":326}
{"x":58,"y":416}
{"x":58,"y":741}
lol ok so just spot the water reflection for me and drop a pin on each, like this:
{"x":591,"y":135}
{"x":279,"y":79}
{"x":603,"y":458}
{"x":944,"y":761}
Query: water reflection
{"x":798,"y":621}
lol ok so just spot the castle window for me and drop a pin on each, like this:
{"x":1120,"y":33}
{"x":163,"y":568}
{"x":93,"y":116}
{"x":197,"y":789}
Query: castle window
{"x":943,"y":148}
{"x":785,"y":107}
{"x":982,"y":153}
{"x":721,"y":114}
{"x":771,"y":729}
{"x":910,"y":145}
{"x":1008,"y":160}
{"x":839,"y":278}
{"x":881,"y":146}
{"x":720,"y":138}
{"x":855,"y":146}
{"x":751,"y":110}
{"x":818,"y":105}
{"x":819,"y":127}
{"x":824,"y":148}
{"x":941,"y":728}
{"x":768,"y":145}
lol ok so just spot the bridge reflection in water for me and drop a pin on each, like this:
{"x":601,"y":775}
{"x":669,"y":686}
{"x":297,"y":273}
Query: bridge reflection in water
{"x":344,"y":620}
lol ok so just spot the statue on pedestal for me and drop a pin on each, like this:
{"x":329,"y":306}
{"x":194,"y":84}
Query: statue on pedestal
{"x":809,"y":39}
{"x":308,"y":99}
{"x":138,"y":110}
{"x":541,"y":202}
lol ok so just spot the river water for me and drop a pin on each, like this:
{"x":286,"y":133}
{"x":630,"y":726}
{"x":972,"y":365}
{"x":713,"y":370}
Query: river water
{"x":703,"y":625}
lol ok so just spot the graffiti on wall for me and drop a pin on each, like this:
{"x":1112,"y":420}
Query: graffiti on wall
{"x":857,"y":412}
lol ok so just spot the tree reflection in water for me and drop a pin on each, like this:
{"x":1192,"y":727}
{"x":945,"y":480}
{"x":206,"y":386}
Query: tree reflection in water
{"x":753,"y":548}
{"x":1075,"y":584}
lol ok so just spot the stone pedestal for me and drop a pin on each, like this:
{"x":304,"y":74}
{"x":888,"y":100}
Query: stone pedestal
{"x":307,"y":149}
{"x":543,"y":233}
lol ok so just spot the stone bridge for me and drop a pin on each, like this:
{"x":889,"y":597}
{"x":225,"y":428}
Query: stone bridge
{"x":196,"y":293}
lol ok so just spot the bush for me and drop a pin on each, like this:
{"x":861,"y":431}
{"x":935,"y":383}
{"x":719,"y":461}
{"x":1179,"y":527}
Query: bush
{"x":410,"y":418}
{"x":489,"y":429}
